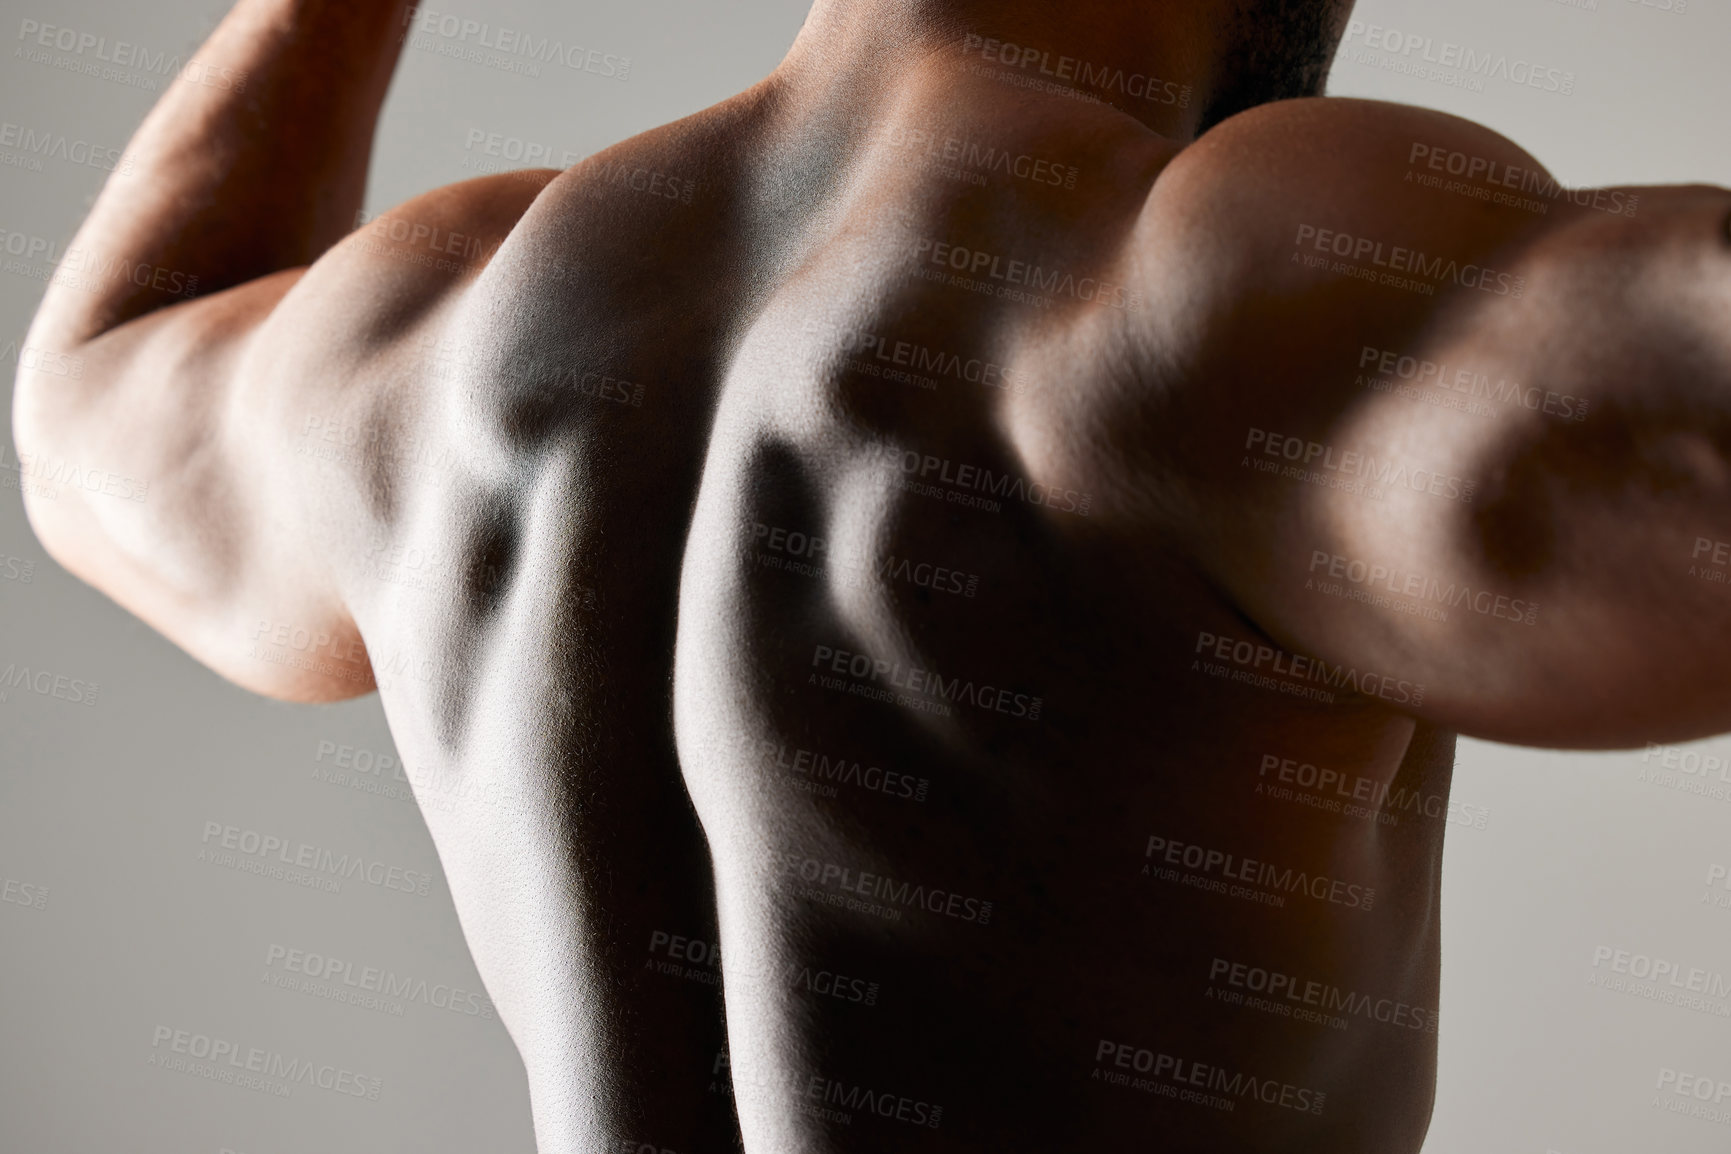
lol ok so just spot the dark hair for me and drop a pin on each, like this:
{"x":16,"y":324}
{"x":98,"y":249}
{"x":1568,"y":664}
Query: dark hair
{"x":1281,"y":49}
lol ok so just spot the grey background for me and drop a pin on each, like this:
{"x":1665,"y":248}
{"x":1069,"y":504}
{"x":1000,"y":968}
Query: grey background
{"x":106,"y":805}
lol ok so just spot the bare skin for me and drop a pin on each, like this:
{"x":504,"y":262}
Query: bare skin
{"x":751,"y":547}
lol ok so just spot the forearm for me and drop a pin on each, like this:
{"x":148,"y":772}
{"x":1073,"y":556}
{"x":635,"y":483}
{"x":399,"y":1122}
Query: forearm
{"x":254,"y":161}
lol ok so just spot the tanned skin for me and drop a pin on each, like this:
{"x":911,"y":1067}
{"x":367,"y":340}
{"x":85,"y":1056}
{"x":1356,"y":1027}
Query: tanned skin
{"x":1071,"y":616}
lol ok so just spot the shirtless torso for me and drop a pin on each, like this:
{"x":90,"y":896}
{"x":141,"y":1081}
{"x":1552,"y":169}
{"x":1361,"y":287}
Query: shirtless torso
{"x":921,"y":618}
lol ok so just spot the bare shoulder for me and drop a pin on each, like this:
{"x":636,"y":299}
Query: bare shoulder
{"x":410,"y":259}
{"x":1399,"y":135}
{"x":1339,"y":177}
{"x":251,"y":425}
{"x":1385,"y":340}
{"x":1277,"y":246}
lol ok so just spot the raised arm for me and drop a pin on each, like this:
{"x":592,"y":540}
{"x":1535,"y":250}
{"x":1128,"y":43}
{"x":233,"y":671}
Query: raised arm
{"x":253,"y":162}
{"x":165,"y":470}
{"x":1453,"y":425}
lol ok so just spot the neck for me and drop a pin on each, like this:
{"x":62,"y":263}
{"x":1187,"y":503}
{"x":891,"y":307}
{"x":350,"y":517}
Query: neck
{"x":1158,"y":61}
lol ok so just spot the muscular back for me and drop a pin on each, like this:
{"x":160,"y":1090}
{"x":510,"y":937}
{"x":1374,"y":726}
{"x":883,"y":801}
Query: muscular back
{"x":984,"y":630}
{"x":792,"y":539}
{"x":876,"y":594}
